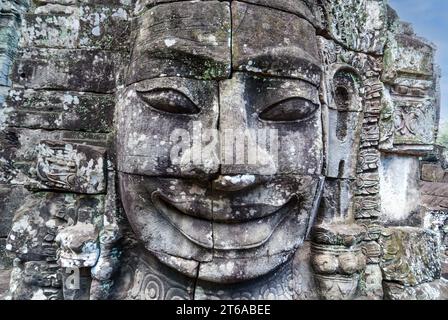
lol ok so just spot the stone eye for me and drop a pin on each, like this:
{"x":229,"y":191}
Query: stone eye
{"x":169,"y":100}
{"x":292,"y":109}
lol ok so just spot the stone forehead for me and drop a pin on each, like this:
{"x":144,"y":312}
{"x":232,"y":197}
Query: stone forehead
{"x":304,"y":8}
{"x":208,"y":39}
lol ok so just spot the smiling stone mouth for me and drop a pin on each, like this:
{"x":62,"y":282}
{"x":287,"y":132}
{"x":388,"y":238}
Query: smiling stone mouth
{"x":223,"y":209}
{"x":233,"y":235}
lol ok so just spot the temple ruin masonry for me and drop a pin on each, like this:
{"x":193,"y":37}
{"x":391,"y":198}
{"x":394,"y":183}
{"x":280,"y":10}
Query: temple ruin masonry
{"x":348,"y":201}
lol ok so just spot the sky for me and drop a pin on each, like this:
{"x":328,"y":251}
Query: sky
{"x":430,"y":20}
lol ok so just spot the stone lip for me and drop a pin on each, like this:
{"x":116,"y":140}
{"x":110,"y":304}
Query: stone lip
{"x":258,"y":230}
{"x":232,"y":271}
{"x":200,"y":208}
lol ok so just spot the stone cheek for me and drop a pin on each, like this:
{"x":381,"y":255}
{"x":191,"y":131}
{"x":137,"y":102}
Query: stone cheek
{"x":152,"y":225}
{"x":269,"y":232}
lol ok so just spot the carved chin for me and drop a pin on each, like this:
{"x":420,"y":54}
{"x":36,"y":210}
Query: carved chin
{"x":224,"y":251}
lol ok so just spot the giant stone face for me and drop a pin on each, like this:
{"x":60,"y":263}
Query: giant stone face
{"x":264,"y":149}
{"x":242,"y":77}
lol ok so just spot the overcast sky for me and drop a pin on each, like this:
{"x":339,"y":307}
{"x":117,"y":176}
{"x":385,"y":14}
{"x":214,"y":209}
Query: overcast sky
{"x":430,"y":20}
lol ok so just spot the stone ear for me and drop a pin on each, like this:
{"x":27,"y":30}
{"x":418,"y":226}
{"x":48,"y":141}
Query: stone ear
{"x":346,"y":90}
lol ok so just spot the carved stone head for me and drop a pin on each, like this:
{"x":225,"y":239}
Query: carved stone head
{"x":265,"y":149}
{"x":219,"y":146}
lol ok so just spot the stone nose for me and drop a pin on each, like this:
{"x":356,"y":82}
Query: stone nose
{"x":234,"y":182}
{"x":247,"y":151}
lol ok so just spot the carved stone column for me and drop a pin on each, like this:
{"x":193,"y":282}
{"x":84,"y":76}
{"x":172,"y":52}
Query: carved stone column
{"x":338,"y":260}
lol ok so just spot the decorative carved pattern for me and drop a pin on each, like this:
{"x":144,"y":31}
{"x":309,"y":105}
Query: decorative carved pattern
{"x":411,"y":98}
{"x":278,"y":285}
{"x":367,"y":207}
{"x":337,"y":260}
{"x":369,"y":159}
{"x":36,"y":227}
{"x":369,"y":68}
{"x":150,"y":280}
{"x":372,"y":251}
{"x":371,"y":13}
{"x":408,"y":120}
{"x":71,"y":167}
{"x":367,"y":184}
{"x":95,"y":101}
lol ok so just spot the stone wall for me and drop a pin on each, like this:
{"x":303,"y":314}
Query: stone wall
{"x":10,"y":18}
{"x":380,"y":228}
{"x":62,"y":84}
